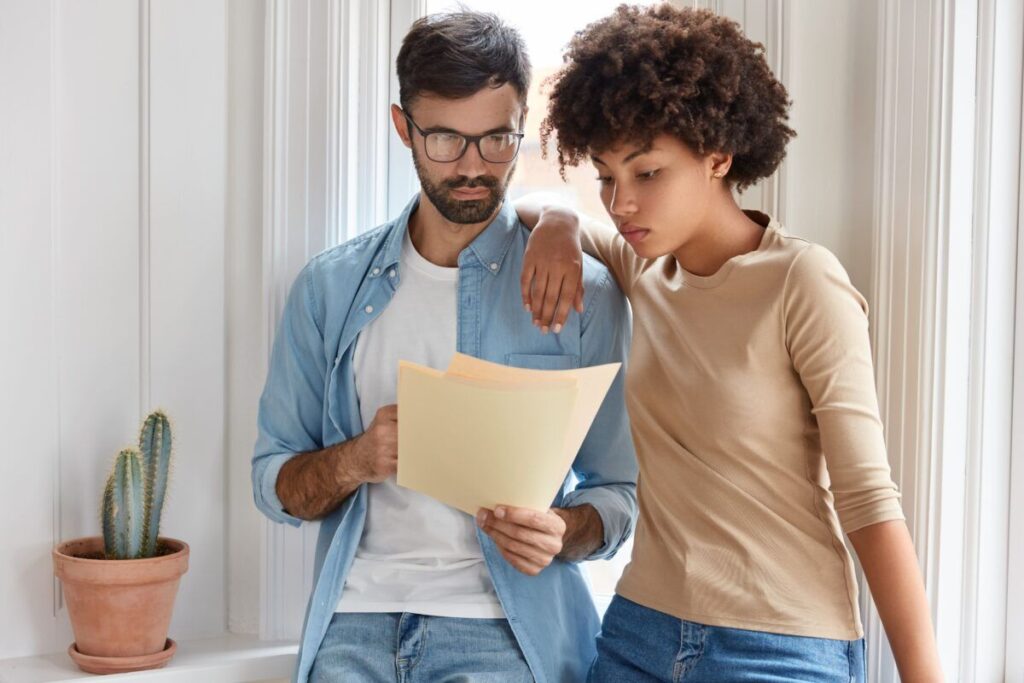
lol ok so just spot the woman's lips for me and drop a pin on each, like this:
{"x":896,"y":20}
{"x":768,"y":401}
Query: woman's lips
{"x":633,"y":233}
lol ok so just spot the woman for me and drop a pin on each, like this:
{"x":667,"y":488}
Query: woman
{"x":750,"y":384}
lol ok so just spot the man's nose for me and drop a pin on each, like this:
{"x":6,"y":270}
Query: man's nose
{"x":471,"y":164}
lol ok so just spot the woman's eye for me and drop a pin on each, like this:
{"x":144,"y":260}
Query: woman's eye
{"x":648,"y":175}
{"x":604,"y":180}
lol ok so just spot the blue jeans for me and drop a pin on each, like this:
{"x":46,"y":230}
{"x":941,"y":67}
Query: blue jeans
{"x":411,"y":648}
{"x":641,"y":644}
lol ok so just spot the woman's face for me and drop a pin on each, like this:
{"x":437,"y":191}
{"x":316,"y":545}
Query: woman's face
{"x":658,"y":194}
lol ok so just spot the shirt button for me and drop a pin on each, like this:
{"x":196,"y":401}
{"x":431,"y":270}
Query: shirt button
{"x":376,"y":271}
{"x":392,"y":273}
{"x":494,"y":266}
{"x":368,"y":309}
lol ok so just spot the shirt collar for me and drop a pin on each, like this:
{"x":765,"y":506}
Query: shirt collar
{"x":490,"y":247}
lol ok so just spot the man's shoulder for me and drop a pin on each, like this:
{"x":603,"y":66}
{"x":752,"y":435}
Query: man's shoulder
{"x":352,"y":252}
{"x":596,"y":274}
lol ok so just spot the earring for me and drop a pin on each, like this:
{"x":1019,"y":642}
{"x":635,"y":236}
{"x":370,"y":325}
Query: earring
{"x":719,"y":174}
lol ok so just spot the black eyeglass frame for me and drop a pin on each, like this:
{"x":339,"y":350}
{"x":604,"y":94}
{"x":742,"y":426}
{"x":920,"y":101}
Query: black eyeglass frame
{"x":467,"y":140}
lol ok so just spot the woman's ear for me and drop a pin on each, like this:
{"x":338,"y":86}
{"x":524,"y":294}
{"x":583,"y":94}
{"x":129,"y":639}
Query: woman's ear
{"x":719,"y":164}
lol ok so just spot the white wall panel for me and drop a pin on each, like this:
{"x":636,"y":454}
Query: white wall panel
{"x":112,"y":185}
{"x":245,"y":361}
{"x":187,"y":147}
{"x":830,"y":72}
{"x":29,"y":421}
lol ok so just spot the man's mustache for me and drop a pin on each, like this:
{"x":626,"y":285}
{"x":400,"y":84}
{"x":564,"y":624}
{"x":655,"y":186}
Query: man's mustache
{"x":487,"y":181}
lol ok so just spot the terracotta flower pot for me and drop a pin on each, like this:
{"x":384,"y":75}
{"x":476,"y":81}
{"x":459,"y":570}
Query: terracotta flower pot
{"x":120,"y":609}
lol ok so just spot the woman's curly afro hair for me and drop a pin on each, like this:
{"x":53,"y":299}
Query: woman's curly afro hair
{"x":642,"y":72}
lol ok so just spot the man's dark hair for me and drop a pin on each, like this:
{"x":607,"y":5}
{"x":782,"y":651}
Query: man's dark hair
{"x":456,"y":54}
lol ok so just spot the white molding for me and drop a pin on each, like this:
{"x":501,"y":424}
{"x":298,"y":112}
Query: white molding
{"x":54,"y":261}
{"x":942,"y":323}
{"x":325,"y":180}
{"x":402,"y":180}
{"x":1015,"y":564}
{"x":145,"y":217}
{"x":774,"y":188}
{"x":274,"y":152}
{"x":220,"y":659}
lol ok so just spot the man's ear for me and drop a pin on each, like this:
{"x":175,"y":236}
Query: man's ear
{"x":401,"y":125}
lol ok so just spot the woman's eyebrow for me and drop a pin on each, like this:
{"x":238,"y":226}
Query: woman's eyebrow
{"x":630,"y":157}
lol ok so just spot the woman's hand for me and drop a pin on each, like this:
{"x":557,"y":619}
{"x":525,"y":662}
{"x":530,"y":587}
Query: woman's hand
{"x":552,"y":277}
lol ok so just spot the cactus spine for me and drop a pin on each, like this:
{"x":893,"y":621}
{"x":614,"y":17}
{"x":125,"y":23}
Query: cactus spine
{"x":135,"y":492}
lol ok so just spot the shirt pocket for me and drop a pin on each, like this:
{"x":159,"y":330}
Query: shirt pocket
{"x":535,"y":361}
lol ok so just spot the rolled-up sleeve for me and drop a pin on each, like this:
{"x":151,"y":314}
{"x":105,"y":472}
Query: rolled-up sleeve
{"x":826,"y":327}
{"x":291,"y":407}
{"x":606,"y":466}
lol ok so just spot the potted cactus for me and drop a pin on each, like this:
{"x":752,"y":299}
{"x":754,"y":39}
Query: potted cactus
{"x":120,"y":587}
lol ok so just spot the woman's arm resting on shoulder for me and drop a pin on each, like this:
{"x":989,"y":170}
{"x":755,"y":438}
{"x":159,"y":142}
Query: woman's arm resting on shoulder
{"x":552,"y":277}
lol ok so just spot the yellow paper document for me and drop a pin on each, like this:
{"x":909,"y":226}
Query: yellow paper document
{"x":483,"y":434}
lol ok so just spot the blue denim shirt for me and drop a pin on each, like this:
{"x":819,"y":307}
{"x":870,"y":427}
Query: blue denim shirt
{"x":310,"y":402}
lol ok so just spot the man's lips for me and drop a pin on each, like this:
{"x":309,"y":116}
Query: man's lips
{"x":471,"y":193}
{"x":633,"y":233}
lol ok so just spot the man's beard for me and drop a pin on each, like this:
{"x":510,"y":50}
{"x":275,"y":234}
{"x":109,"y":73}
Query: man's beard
{"x":462,"y":210}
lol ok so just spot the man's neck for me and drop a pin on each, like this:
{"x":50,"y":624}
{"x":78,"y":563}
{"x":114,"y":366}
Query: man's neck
{"x":437,"y":239}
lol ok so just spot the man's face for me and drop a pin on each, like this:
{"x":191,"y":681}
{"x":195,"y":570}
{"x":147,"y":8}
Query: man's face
{"x":470,"y":189}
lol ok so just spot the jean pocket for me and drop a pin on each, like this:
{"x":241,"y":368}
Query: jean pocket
{"x":542,"y":362}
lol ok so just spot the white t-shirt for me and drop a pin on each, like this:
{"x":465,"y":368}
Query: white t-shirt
{"x":416,"y":554}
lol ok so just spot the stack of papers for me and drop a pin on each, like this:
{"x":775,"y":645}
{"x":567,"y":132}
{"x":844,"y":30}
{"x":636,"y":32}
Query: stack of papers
{"x":482,"y":434}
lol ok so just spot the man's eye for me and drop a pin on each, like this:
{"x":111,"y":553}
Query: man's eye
{"x":604,"y":180}
{"x":498,"y":141}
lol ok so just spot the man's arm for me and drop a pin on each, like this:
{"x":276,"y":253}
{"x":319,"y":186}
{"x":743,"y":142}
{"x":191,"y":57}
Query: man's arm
{"x":529,"y":540}
{"x":598,"y":516}
{"x":314,"y":484}
{"x":604,"y":500}
{"x":584,"y":532}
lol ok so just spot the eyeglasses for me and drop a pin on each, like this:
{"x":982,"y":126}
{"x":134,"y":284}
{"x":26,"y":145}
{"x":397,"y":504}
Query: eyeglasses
{"x":445,"y":147}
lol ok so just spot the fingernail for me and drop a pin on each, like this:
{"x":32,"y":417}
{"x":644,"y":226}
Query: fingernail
{"x":558,"y":329}
{"x":526,"y":307}
{"x":499,"y":513}
{"x":544,"y":329}
{"x":481,"y":517}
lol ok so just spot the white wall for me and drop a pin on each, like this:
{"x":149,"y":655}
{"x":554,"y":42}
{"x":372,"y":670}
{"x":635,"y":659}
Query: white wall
{"x":830,"y":72}
{"x":246,"y":361}
{"x":132,"y":262}
{"x":112,"y":288}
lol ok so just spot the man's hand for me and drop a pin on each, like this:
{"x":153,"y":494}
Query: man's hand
{"x":374,"y":457}
{"x":312,"y":485}
{"x":528,"y":540}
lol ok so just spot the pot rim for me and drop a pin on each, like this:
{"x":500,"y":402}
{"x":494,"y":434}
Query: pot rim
{"x":182,"y":549}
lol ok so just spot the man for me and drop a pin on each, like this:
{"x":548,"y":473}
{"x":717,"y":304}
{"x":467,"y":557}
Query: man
{"x":409,"y":589}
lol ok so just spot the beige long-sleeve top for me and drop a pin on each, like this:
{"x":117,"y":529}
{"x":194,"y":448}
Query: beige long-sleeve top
{"x":755,"y":419}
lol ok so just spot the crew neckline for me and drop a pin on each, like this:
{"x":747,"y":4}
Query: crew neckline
{"x":415,"y":260}
{"x":720,"y":275}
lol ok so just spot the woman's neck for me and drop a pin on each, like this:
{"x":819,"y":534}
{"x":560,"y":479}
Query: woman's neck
{"x":724,"y":233}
